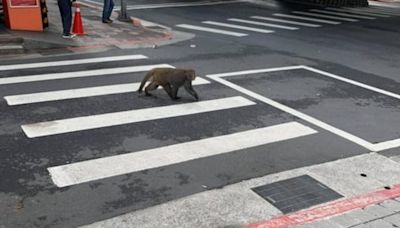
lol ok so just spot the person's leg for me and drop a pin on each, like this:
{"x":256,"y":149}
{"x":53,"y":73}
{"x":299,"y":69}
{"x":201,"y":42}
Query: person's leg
{"x":106,"y":8}
{"x":62,"y":13}
{"x":110,"y":9}
{"x":68,"y":16}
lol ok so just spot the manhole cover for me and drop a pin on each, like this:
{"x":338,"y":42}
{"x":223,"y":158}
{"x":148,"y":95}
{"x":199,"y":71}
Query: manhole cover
{"x":296,"y":193}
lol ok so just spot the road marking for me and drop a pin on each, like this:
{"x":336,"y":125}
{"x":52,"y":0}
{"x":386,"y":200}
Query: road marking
{"x":357,"y":12}
{"x":386,"y":145}
{"x":371,"y":146}
{"x":79,"y":93}
{"x":263,"y":24}
{"x":342,"y":14}
{"x":285,"y":21}
{"x":8,"y":47}
{"x":370,"y":11}
{"x":180,"y":4}
{"x":392,"y":10}
{"x":238,"y":27}
{"x":307,"y":18}
{"x":71,"y":62}
{"x":257,"y":71}
{"x":359,"y":84}
{"x":79,"y":74}
{"x":131,"y":116}
{"x":96,"y":169}
{"x":206,"y":29}
{"x":324,"y":16}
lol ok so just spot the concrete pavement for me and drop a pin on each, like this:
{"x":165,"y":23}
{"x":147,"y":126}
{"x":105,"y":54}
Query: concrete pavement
{"x":365,"y":202}
{"x":99,"y":36}
{"x":332,"y":79}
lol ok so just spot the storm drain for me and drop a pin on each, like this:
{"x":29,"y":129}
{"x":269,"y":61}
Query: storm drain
{"x":296,"y":193}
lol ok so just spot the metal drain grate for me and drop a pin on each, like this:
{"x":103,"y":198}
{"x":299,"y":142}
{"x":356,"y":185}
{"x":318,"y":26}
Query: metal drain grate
{"x":296,"y":193}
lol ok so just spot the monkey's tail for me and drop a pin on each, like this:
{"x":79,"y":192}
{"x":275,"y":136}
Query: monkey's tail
{"x":145,"y":79}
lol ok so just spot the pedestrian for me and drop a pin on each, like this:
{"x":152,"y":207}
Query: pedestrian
{"x":66,"y":17}
{"x":107,"y":10}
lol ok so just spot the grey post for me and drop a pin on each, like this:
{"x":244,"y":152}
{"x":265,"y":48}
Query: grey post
{"x":122,"y":14}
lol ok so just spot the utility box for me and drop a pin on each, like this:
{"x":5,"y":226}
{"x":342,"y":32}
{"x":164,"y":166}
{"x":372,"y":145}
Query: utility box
{"x":28,"y":15}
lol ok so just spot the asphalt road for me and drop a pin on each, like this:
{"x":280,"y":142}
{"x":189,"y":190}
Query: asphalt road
{"x":342,"y":86}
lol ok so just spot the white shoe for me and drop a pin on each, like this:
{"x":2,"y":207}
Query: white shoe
{"x":69,"y":36}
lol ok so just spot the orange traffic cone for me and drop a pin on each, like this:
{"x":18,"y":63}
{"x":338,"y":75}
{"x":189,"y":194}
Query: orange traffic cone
{"x":78,"y":25}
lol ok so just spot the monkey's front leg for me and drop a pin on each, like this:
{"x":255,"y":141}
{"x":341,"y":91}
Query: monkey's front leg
{"x":168,"y":89}
{"x":175,"y":93}
{"x":190,"y":90}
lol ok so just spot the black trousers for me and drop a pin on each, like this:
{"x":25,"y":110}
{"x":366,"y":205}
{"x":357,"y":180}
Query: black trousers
{"x":66,"y":15}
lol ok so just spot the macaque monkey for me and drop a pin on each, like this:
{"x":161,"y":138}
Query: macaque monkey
{"x":170,"y":79}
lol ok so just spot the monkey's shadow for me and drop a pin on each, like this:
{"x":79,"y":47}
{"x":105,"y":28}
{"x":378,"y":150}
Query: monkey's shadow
{"x":160,"y":97}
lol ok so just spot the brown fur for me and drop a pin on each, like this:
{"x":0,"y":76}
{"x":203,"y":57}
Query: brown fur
{"x":171,"y":80}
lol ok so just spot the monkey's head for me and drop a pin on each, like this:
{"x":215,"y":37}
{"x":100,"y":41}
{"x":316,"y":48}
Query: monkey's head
{"x":191,"y":74}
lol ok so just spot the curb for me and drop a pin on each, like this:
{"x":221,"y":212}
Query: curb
{"x":10,"y":45}
{"x":330,"y":209}
{"x":137,"y":22}
{"x":9,"y":39}
{"x":331,"y":3}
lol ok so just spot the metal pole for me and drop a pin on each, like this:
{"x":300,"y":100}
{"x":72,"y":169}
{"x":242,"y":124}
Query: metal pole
{"x":122,"y":14}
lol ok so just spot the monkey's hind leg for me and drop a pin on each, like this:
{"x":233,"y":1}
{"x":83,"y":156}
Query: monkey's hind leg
{"x":150,"y":87}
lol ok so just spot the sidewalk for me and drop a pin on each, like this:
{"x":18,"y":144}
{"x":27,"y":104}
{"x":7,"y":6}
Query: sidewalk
{"x":378,"y":209}
{"x":100,"y":36}
{"x":369,"y":196}
{"x":382,"y":215}
{"x":394,"y":4}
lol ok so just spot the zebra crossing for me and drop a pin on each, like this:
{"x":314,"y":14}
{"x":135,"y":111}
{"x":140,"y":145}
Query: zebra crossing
{"x":70,"y":174}
{"x":97,"y":169}
{"x":295,"y":20}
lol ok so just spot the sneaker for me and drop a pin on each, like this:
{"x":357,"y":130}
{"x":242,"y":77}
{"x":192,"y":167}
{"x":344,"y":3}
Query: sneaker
{"x":68,"y":36}
{"x":107,"y":21}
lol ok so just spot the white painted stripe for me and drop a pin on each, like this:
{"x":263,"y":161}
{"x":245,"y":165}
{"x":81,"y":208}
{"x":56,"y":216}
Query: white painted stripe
{"x":327,"y":74}
{"x":263,"y":24}
{"x":342,"y":14}
{"x":206,"y":29}
{"x":9,"y":47}
{"x":386,"y":145}
{"x":359,"y":84}
{"x":357,"y":12}
{"x":79,"y":74}
{"x":324,"y":16}
{"x":307,"y":18}
{"x":180,"y":4}
{"x":257,"y":71}
{"x":71,"y":62}
{"x":79,"y":93}
{"x":131,"y":116}
{"x":371,"y":146}
{"x":370,"y":11}
{"x":377,"y":146}
{"x":96,"y":169}
{"x":286,"y":21}
{"x":94,"y":2}
{"x":238,"y":27}
{"x":291,"y":111}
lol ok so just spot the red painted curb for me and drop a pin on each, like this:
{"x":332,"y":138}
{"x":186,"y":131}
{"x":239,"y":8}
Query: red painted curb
{"x":328,"y":210}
